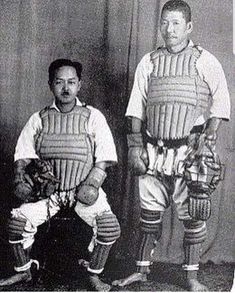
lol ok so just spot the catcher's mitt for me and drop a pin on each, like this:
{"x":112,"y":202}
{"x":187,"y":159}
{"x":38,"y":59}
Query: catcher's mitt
{"x":33,"y":180}
{"x":41,"y":173}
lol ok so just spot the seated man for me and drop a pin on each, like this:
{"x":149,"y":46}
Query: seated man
{"x":60,"y":160}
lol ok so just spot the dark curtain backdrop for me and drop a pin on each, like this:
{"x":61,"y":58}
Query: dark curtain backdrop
{"x":109,"y":37}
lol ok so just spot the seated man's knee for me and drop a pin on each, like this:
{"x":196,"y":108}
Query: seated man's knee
{"x":194,"y":232}
{"x":108,"y":228}
{"x":151,"y":222}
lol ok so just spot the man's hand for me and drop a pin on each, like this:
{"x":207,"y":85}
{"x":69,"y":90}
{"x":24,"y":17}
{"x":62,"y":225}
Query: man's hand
{"x":212,"y":126}
{"x":41,"y":172}
{"x":22,"y":185}
{"x":33,"y":179}
{"x":196,"y":143}
{"x":137,"y":155}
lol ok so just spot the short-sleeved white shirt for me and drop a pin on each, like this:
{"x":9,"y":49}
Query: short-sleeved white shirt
{"x":105,"y":149}
{"x":209,"y":69}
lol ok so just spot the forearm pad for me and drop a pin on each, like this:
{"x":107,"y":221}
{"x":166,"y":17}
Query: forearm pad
{"x":88,"y":192}
{"x":137,"y":155}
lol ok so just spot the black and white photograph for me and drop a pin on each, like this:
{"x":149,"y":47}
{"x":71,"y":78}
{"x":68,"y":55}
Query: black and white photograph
{"x":117,"y":145}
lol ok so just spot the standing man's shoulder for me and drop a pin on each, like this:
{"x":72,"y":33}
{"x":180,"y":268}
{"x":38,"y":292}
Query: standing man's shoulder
{"x":207,"y":58}
{"x":211,"y":70}
{"x":145,"y":61}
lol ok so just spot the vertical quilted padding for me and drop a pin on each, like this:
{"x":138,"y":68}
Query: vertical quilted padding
{"x":177,"y":96}
{"x":64,"y":141}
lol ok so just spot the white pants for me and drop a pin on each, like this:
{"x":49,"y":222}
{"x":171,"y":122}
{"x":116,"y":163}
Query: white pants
{"x":158,"y":193}
{"x":39,"y":212}
{"x":155,"y":195}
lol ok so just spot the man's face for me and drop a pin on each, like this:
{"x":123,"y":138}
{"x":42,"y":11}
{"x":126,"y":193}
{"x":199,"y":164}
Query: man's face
{"x":174,"y":29}
{"x":65,"y":85}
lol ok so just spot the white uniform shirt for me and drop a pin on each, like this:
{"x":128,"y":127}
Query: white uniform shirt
{"x":105,"y":149}
{"x":209,"y":69}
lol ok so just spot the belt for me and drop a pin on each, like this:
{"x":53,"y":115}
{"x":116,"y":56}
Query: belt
{"x":174,"y":143}
{"x":198,"y":129}
{"x":169,"y":143}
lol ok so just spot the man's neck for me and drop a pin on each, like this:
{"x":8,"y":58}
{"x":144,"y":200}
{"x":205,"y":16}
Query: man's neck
{"x":179,"y":48}
{"x":65,"y":108}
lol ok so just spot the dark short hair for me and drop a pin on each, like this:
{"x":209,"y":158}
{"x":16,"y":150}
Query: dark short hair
{"x":178,"y":5}
{"x":55,"y":65}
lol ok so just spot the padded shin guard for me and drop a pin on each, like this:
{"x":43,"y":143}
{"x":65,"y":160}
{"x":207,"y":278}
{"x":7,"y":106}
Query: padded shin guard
{"x":98,"y":258}
{"x":146,"y":246}
{"x":21,"y":258}
{"x":195,"y":235}
{"x":108,"y":231}
{"x":150,"y":231}
{"x":192,"y":257}
{"x":23,"y":261}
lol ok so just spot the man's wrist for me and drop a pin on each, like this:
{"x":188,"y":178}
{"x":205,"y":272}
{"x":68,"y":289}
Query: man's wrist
{"x":135,"y":140}
{"x":96,"y":177}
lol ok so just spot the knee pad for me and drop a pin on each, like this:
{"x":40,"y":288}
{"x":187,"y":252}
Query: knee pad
{"x":151,"y":222}
{"x":200,"y":207}
{"x":108,"y":229}
{"x":15,"y":228}
{"x":194,"y":232}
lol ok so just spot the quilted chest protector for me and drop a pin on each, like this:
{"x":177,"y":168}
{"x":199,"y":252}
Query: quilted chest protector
{"x":64,"y":141}
{"x":177,"y":95}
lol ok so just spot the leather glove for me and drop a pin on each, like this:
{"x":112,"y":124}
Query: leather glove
{"x":23,"y":184}
{"x":33,"y":179}
{"x":88,"y":191}
{"x":137,"y":155}
{"x":41,"y":172}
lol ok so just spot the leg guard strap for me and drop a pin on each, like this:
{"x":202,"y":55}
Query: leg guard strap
{"x":27,"y":266}
{"x":190,"y":267}
{"x":143,"y":267}
{"x":94,"y":271}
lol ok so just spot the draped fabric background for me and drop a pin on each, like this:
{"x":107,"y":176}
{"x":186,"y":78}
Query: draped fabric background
{"x":109,"y":37}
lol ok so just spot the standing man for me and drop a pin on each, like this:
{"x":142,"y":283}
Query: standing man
{"x":178,"y":100}
{"x":60,"y":161}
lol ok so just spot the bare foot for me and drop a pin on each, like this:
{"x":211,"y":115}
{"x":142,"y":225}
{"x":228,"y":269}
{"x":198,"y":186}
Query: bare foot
{"x":195,"y":286}
{"x":19,"y":277}
{"x":136,"y":277}
{"x":97,"y":285}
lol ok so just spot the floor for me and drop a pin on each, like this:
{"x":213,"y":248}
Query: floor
{"x":164,"y":277}
{"x":59,"y":270}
